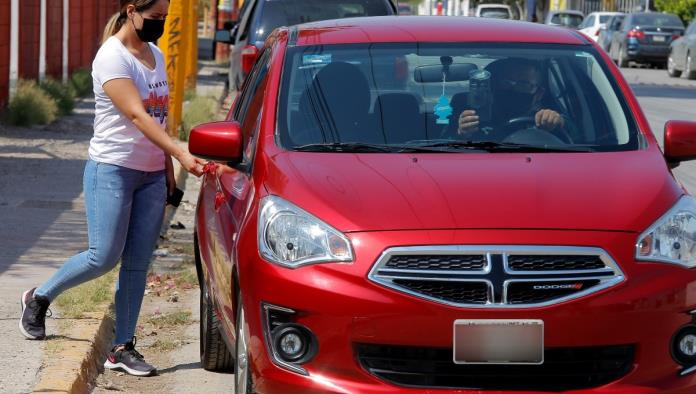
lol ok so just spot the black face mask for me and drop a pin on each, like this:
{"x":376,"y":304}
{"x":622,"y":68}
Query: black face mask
{"x":151,"y":31}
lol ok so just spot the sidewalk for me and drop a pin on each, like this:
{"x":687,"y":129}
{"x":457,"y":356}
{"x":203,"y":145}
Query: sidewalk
{"x":43,"y":222}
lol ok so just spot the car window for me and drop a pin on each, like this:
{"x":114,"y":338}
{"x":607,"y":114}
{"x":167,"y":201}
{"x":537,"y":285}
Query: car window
{"x":248,"y":12}
{"x":276,"y":13}
{"x":588,"y":22}
{"x":570,"y":20}
{"x":616,"y":22}
{"x":248,"y":112}
{"x":495,"y":12}
{"x":692,"y":29}
{"x":396,"y":93}
{"x":603,"y":19}
{"x":657,"y":20}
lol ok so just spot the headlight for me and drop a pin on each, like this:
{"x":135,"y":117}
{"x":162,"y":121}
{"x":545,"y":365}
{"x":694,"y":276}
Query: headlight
{"x":292,"y":237}
{"x":672,"y":239}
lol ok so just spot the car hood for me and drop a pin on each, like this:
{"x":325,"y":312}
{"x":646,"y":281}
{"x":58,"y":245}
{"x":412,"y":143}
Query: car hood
{"x":618,"y":191}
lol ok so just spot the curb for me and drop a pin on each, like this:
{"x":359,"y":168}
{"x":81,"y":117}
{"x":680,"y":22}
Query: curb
{"x":80,"y":360}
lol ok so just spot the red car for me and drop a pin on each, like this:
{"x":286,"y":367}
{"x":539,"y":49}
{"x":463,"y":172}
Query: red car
{"x":361,"y":233}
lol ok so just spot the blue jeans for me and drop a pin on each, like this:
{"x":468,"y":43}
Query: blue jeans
{"x":125,"y":209}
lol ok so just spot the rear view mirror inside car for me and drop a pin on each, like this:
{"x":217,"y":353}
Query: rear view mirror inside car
{"x":453,"y":72}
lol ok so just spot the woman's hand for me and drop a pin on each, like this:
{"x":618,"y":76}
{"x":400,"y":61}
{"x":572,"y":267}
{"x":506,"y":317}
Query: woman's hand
{"x":192,"y":164}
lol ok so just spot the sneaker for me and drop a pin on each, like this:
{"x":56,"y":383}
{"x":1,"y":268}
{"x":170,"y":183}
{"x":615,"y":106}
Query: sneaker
{"x":127,"y":359}
{"x":33,"y":322}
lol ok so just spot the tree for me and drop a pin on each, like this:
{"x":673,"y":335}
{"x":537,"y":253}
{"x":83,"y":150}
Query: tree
{"x":685,"y":9}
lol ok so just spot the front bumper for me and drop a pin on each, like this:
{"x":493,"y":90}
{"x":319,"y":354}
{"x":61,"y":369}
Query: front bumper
{"x":343,"y":308}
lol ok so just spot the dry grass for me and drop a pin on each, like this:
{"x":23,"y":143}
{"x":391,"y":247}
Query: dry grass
{"x":87,"y":297}
{"x":178,"y":318}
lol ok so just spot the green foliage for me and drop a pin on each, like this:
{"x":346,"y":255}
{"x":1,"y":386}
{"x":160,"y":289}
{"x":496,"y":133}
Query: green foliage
{"x":64,"y":95}
{"x":198,"y":110}
{"x":90,"y":296}
{"x":31,"y":105}
{"x":685,"y":9}
{"x":82,"y":82}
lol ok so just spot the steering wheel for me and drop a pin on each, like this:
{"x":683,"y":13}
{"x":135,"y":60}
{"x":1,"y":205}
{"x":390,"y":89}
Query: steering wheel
{"x":515,"y":124}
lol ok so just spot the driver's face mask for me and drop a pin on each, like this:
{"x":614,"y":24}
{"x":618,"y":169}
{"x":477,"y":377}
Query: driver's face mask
{"x":515,"y":97}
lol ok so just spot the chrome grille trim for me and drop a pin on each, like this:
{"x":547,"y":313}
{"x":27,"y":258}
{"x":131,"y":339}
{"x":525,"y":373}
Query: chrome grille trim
{"x":608,"y":276}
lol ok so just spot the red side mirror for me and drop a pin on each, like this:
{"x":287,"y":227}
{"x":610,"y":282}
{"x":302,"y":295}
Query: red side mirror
{"x":218,"y":141}
{"x":680,"y":141}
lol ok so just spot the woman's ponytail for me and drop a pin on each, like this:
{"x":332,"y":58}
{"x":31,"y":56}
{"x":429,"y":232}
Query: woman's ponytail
{"x":114,"y":25}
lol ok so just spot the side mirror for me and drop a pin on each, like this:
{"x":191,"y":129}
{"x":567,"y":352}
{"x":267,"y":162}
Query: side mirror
{"x":223,"y":36}
{"x":680,"y":141}
{"x":218,"y":141}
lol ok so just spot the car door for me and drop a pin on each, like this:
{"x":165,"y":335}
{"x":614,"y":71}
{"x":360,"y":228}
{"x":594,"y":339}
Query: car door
{"x":686,"y":45}
{"x":228,"y":191}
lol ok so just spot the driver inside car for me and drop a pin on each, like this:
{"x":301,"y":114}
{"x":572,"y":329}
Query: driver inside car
{"x":517,"y":92}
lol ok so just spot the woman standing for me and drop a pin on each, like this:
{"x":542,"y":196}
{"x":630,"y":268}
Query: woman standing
{"x":126,"y":179}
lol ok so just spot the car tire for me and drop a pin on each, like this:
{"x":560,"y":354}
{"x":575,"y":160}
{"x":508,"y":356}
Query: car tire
{"x":672,"y":69}
{"x":688,"y":69}
{"x":623,"y":60}
{"x":215,"y":356}
{"x":243,"y":383}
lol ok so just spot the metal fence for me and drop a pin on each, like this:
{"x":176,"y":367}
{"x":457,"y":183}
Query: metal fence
{"x":587,"y":6}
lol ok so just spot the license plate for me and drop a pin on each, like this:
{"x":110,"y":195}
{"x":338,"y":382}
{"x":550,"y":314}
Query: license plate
{"x":659,"y":38}
{"x":498,"y":341}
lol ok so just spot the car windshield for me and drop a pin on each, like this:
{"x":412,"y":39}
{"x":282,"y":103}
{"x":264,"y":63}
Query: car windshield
{"x":401,"y":96}
{"x":570,"y":20}
{"x":276,"y":13}
{"x":604,"y":18}
{"x":495,"y":12}
{"x":657,"y":20}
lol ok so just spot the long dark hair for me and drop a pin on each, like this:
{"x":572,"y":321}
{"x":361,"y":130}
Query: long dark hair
{"x":118,"y":19}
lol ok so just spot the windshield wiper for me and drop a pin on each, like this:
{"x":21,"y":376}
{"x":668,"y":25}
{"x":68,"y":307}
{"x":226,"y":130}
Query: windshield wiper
{"x":493,"y":146}
{"x":359,"y":147}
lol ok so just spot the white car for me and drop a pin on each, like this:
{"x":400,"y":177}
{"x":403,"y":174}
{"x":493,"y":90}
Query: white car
{"x":499,"y":11}
{"x":593,"y":22}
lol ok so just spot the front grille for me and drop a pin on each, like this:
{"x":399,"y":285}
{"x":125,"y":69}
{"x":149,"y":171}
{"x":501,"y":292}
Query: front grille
{"x":554,"y":263}
{"x":437,"y":262}
{"x":460,"y":292}
{"x":496,"y":276}
{"x":563,"y":368}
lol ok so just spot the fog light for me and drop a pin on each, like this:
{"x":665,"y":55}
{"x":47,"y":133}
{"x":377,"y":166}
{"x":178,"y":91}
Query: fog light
{"x":687,"y":345}
{"x":293,"y":343}
{"x":684,"y":346}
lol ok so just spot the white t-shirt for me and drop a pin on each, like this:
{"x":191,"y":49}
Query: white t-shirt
{"x":116,"y":140}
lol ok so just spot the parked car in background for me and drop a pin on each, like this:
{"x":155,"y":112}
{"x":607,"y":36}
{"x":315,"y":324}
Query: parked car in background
{"x":645,"y":37}
{"x":349,"y":240}
{"x":594,"y":22}
{"x":566,"y":18}
{"x":259,"y":17}
{"x":606,"y":32}
{"x":498,"y":11}
{"x":682,"y":54}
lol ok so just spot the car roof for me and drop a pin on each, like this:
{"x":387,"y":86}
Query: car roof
{"x":429,"y":29}
{"x":569,"y":12}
